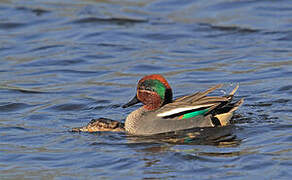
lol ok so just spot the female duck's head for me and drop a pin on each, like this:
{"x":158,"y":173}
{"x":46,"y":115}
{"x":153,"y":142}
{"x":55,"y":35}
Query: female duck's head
{"x":153,"y":91}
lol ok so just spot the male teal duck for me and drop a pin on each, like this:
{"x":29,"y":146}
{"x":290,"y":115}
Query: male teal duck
{"x":161,"y":114}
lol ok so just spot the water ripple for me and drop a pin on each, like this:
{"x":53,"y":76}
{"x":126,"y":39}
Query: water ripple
{"x":12,"y":107}
{"x":11,"y":25}
{"x":117,"y":21}
{"x":36,"y":11}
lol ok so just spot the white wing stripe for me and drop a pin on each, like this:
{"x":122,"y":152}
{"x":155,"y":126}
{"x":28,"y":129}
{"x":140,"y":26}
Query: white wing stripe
{"x":182,"y":109}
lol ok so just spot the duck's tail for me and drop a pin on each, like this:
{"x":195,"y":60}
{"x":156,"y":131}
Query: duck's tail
{"x":227,"y":112}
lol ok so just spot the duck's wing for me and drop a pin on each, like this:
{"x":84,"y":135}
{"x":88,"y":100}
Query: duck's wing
{"x":198,"y":95}
{"x":195,"y":104}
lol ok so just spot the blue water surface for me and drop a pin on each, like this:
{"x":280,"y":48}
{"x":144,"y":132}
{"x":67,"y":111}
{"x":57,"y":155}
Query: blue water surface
{"x":63,"y":63}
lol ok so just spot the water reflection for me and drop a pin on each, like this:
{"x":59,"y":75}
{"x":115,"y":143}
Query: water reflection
{"x":165,"y":153}
{"x":207,"y":136}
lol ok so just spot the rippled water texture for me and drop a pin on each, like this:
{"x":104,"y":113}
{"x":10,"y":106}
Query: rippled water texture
{"x":63,"y":63}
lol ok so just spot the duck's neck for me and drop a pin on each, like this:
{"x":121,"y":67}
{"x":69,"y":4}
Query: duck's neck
{"x":133,"y":120}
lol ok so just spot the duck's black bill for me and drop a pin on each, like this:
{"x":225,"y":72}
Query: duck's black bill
{"x":135,"y":100}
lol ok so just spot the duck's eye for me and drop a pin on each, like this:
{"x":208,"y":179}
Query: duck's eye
{"x":149,"y":88}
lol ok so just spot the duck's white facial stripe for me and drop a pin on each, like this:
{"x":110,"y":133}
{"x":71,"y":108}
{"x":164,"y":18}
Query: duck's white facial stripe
{"x":179,"y":110}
